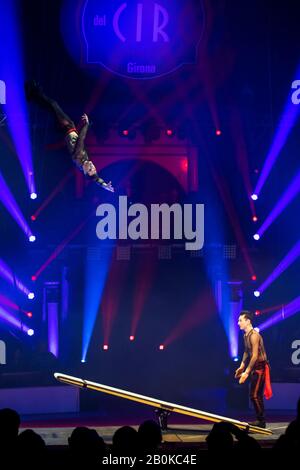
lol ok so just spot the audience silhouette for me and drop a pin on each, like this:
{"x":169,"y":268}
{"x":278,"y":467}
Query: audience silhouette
{"x":86,"y":448}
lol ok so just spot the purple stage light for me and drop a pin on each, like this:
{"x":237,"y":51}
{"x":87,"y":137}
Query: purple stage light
{"x":10,"y":319}
{"x":256,"y":236}
{"x":288,"y":120}
{"x":7,"y":274}
{"x":6,"y":302}
{"x":254,"y":197}
{"x":53,"y":332}
{"x":30,"y":332}
{"x":33,"y":196}
{"x":31,"y":296}
{"x":283,"y":202}
{"x":11,"y":71}
{"x":11,"y":205}
{"x":284,"y":312}
{"x":235,"y":308}
{"x":32,"y":238}
{"x":256,"y":293}
{"x":282,"y":266}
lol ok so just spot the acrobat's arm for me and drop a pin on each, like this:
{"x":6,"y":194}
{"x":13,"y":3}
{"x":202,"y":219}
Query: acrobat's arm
{"x":82,"y":133}
{"x":108,"y":186}
{"x":240,"y":370}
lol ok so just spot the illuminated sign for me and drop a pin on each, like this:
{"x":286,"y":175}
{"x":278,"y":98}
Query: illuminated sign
{"x":139,"y":39}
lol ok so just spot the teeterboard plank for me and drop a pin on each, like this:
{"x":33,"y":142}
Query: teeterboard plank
{"x":172,"y":407}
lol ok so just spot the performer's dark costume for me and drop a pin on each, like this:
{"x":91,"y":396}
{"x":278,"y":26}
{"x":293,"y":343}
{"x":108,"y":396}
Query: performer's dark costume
{"x":73,"y":138}
{"x":259,"y":376}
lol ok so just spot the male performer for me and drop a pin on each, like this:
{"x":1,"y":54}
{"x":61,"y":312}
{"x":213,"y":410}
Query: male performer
{"x":258,"y":367}
{"x":73,"y":138}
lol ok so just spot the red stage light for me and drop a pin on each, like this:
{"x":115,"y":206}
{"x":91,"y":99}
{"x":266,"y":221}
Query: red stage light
{"x":105,"y":347}
{"x":33,"y":278}
{"x":125,"y":132}
{"x":257,"y":312}
{"x":218,"y":132}
{"x":253,"y":277}
{"x":29,"y":314}
{"x":33,"y":217}
{"x":184,"y":165}
{"x":131,"y":338}
{"x":161,"y":347}
{"x":169,"y":132}
{"x":255,"y":218}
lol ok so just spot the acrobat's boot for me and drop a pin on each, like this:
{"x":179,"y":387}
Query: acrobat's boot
{"x":33,"y":90}
{"x":259,"y":424}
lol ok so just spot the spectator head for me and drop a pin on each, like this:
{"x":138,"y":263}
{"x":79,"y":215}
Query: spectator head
{"x":125,"y":441}
{"x":150,"y":435}
{"x":86,"y":443}
{"x":220,"y":438}
{"x":9,"y":424}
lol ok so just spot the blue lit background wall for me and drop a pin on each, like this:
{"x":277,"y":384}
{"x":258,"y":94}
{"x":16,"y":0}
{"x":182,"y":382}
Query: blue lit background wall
{"x":235,"y":82}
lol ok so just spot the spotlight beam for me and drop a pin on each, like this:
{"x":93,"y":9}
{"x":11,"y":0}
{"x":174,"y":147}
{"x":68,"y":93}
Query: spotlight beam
{"x":7,"y":274}
{"x":233,"y":216}
{"x":285,"y":312}
{"x":197,"y":313}
{"x":8,"y":318}
{"x":95,"y":279}
{"x":11,"y":70}
{"x":241,"y":153}
{"x":12,"y":207}
{"x":283,"y":202}
{"x":56,"y":191}
{"x":61,"y":246}
{"x":288,"y":120}
{"x":292,"y":255}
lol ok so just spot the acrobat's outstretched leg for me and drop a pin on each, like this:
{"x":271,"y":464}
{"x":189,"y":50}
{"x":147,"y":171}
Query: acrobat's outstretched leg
{"x":73,"y":138}
{"x":35,"y":93}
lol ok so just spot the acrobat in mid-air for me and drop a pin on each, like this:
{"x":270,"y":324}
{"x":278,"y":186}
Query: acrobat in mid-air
{"x":74,"y":138}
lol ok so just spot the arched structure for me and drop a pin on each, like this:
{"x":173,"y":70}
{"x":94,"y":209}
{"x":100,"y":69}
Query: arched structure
{"x":176,"y":156}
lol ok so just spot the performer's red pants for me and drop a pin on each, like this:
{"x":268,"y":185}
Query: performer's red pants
{"x":257,"y":385}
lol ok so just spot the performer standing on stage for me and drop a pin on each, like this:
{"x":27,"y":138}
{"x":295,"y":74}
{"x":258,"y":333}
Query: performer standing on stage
{"x":73,"y":138}
{"x":258,"y":367}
